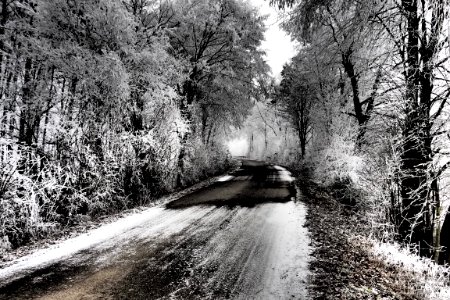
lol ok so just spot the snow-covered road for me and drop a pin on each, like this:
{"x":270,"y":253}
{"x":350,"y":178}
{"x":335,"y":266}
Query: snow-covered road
{"x":243,"y":237}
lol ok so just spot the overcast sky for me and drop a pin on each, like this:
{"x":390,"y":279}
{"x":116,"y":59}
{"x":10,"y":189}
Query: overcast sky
{"x":278,"y":44}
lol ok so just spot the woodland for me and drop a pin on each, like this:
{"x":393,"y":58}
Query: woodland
{"x":367,"y":94}
{"x":106,"y":104}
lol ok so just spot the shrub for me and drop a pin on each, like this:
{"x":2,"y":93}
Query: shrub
{"x":204,"y":161}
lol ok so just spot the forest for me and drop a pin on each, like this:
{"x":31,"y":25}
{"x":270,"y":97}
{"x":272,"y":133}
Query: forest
{"x":367,"y":94}
{"x":106,"y":104}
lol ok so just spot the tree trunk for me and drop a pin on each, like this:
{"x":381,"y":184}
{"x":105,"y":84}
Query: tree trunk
{"x":3,"y":21}
{"x":181,"y":162}
{"x":210,"y":131}
{"x":72,"y":90}
{"x":205,"y":136}
{"x":444,"y":255}
{"x":137,"y":122}
{"x":190,"y":93}
{"x":47,"y":109}
{"x":350,"y":70}
{"x":436,"y":219}
{"x":300,"y":133}
{"x":25,"y":123}
{"x":415,"y":226}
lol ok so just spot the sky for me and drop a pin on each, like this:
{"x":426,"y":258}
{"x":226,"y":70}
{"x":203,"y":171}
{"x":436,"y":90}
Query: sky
{"x":278,"y":45}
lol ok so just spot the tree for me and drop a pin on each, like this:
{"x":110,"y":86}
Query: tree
{"x":219,"y":42}
{"x":296,"y":96}
{"x":408,"y":86}
{"x":150,"y":52}
{"x":344,"y":28}
{"x":415,"y":29}
{"x":107,"y":102}
{"x":423,"y":43}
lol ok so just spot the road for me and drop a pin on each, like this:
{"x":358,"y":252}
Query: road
{"x":241,"y":238}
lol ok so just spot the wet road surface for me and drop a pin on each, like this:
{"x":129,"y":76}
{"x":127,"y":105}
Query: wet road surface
{"x":241,"y":238}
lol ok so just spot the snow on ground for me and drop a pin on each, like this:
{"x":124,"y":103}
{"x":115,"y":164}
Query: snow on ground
{"x":284,"y":175}
{"x":71,"y":246}
{"x":433,"y":276}
{"x":66,"y":248}
{"x":280,"y":226}
{"x":225,"y":178}
{"x":268,"y":246}
{"x":155,"y":222}
{"x":279,"y":168}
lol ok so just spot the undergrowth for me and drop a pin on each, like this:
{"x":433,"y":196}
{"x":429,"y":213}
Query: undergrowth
{"x":40,"y":197}
{"x":351,"y":261}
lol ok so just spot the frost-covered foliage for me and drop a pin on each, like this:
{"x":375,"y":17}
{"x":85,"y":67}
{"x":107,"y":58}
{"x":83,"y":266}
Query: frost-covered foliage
{"x":24,"y":201}
{"x":381,"y":75}
{"x":433,"y":277}
{"x":104,"y":106}
{"x":268,"y":135}
{"x":205,"y":161}
{"x":338,"y":162}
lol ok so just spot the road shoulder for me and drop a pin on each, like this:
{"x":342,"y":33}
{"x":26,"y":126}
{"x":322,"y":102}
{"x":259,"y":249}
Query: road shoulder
{"x":342,"y":267}
{"x":90,"y":224}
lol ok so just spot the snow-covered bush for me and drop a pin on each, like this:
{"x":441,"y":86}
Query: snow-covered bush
{"x":204,"y":161}
{"x":24,"y":187}
{"x":433,"y":278}
{"x":338,"y":162}
{"x":148,"y":167}
{"x":379,"y":181}
{"x":5,"y":245}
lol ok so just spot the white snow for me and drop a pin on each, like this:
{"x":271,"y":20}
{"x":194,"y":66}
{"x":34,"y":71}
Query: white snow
{"x":71,"y":246}
{"x":284,"y":175}
{"x":276,"y":229}
{"x":225,"y":178}
{"x":279,"y":168}
{"x":271,"y":245}
{"x":429,"y":273}
{"x":155,"y":222}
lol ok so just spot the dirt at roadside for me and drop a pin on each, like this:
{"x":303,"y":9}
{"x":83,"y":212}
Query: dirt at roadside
{"x":342,"y":267}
